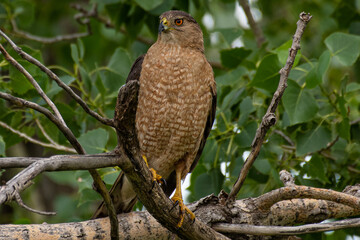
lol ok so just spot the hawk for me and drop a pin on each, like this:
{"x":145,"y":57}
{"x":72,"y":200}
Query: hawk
{"x":176,"y":108}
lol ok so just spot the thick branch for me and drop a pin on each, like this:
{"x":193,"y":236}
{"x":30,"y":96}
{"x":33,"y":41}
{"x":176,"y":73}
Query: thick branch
{"x":269,"y":119}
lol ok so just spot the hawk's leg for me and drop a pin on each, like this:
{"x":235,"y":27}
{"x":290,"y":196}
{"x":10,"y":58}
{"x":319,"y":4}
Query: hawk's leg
{"x":177,"y":198}
{"x":155,"y":177}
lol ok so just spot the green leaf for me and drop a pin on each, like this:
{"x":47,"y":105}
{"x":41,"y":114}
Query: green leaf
{"x":317,"y":73}
{"x":267,"y":74}
{"x":74,"y":53}
{"x":312,"y":140}
{"x":246,"y":136}
{"x":299,"y":104}
{"x":19,"y":83}
{"x":246,"y":107}
{"x":352,"y":87}
{"x":283,"y":53}
{"x":344,"y":47}
{"x":120,"y":62}
{"x":2,"y":146}
{"x":81,"y":48}
{"x":208,"y":183}
{"x":343,"y":128}
{"x":316,"y":168}
{"x":149,"y":4}
{"x":230,"y":34}
{"x":232,"y":77}
{"x":94,"y":141}
{"x":231,"y":58}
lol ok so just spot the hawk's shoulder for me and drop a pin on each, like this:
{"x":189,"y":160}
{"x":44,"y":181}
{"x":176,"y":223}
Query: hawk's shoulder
{"x":135,"y":70}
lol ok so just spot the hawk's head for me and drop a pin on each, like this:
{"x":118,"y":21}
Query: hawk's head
{"x":179,"y":27}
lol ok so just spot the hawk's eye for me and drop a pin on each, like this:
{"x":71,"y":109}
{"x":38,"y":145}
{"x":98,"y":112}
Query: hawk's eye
{"x":178,"y":22}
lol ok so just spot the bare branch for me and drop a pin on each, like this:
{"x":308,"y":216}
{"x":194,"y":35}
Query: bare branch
{"x":27,"y":104}
{"x":49,"y":40}
{"x":269,"y":118}
{"x":287,"y":178}
{"x":279,"y":230}
{"x":65,"y":162}
{"x":259,"y":36}
{"x":32,"y":140}
{"x":22,"y":204}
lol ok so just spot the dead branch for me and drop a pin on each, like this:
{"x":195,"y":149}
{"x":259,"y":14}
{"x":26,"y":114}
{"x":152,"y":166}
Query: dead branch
{"x":269,"y":118}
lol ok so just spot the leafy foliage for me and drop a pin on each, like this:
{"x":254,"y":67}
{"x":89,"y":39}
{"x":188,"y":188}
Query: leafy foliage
{"x":319,"y":112}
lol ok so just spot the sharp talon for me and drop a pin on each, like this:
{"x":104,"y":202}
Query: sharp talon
{"x":175,"y":204}
{"x":193,"y":221}
{"x":163,"y":182}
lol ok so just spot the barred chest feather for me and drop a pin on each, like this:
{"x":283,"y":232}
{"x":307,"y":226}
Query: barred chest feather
{"x":174,"y":102}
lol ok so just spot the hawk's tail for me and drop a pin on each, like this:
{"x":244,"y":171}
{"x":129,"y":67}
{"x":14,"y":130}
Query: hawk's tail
{"x":122,"y":195}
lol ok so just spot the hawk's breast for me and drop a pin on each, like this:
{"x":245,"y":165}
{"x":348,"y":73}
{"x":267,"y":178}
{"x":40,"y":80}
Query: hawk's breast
{"x":174,"y":101}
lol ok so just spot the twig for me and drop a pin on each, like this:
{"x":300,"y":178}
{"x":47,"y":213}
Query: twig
{"x":13,"y":62}
{"x":269,"y":118}
{"x":32,"y":140}
{"x":27,"y":104}
{"x":49,"y":40}
{"x":279,"y":230}
{"x":61,"y":84}
{"x":22,"y":204}
{"x":287,"y":178}
{"x":283,"y":135}
{"x":259,"y":36}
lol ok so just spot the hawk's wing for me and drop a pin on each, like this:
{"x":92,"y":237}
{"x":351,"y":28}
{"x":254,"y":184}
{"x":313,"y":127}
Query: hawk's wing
{"x":136,"y":69}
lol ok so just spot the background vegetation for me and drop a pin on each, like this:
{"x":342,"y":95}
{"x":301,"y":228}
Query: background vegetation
{"x":318,"y":129}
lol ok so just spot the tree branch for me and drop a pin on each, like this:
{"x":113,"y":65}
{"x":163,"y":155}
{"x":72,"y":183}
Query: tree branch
{"x":13,"y":62}
{"x":269,"y":119}
{"x":32,"y":140}
{"x":61,"y":84}
{"x":60,"y":123}
{"x":279,"y":230}
{"x":259,"y":36}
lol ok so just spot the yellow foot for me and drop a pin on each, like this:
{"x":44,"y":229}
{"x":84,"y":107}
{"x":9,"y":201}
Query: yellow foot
{"x":183,"y":209}
{"x":155,"y":177}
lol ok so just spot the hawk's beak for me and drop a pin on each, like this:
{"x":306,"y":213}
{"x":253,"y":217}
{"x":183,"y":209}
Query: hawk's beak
{"x":164,"y":25}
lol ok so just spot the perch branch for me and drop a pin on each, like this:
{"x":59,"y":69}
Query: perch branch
{"x":269,"y":119}
{"x":259,"y":36}
{"x":32,"y":140}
